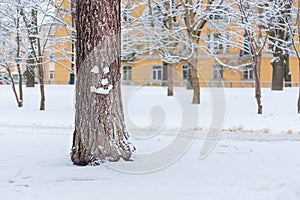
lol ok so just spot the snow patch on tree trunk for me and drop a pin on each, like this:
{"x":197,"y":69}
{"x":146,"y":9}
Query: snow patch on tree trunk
{"x":101,"y":90}
{"x":106,"y":70}
{"x":95,"y":70}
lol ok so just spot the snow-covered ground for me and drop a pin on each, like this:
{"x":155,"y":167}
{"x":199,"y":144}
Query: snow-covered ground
{"x":180,"y":153}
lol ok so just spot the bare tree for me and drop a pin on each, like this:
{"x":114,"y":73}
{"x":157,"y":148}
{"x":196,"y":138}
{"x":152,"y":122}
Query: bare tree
{"x":40,"y":18}
{"x":254,"y":19}
{"x":99,"y":121}
{"x":195,"y":21}
{"x":279,"y":38}
{"x":11,"y":51}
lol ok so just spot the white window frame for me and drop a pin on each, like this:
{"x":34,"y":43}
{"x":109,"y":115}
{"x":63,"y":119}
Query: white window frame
{"x":127,"y":73}
{"x":248,"y":73}
{"x":216,"y":42}
{"x":156,"y":72}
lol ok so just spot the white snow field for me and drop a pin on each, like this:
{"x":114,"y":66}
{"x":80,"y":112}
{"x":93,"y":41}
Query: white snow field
{"x":180,"y":153}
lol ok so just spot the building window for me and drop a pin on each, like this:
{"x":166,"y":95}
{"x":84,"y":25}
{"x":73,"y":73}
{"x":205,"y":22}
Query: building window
{"x":246,"y":49}
{"x":218,"y":17}
{"x":51,"y":75}
{"x":219,"y":12}
{"x":185,"y":71}
{"x":218,"y":72}
{"x":248,"y":72}
{"x":156,"y":72}
{"x":127,"y":73}
{"x":218,"y":41}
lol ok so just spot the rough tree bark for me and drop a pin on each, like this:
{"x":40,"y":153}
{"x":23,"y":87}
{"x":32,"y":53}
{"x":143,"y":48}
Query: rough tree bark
{"x":195,"y":79}
{"x":278,"y":72}
{"x":99,"y":121}
{"x":257,"y":60}
{"x":29,"y":73}
{"x":171,"y":68}
{"x":287,"y":72}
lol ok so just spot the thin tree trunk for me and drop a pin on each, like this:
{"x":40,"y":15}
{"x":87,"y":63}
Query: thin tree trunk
{"x":170,"y":78}
{"x":195,"y":79}
{"x":99,"y":121}
{"x":170,"y":66}
{"x":257,"y":84}
{"x":29,"y":73}
{"x":165,"y":74}
{"x":18,"y":61}
{"x":287,"y":72}
{"x":13,"y":85}
{"x":42,"y":85}
{"x":31,"y":60}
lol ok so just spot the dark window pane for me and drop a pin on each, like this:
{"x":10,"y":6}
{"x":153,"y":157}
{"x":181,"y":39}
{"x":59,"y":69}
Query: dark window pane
{"x":159,"y":75}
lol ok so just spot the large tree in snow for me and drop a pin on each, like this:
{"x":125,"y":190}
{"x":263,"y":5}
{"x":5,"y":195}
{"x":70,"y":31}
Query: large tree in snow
{"x":99,"y":121}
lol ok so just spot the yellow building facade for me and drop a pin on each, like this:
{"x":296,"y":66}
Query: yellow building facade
{"x":61,"y":65}
{"x":150,"y":70}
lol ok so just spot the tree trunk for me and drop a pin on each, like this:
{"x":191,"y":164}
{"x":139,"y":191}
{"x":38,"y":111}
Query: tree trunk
{"x":278,"y":73}
{"x":29,"y":73}
{"x":31,"y":60}
{"x":13,"y":85}
{"x":287,"y":72}
{"x":195,"y":79}
{"x":165,"y":74}
{"x":20,"y":104}
{"x":18,"y":61}
{"x":171,"y":68}
{"x":42,"y":86}
{"x":257,"y":84}
{"x":35,"y":52}
{"x":99,"y":120}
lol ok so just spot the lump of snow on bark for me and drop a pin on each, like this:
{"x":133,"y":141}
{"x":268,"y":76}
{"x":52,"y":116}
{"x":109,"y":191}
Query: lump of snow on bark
{"x":104,"y":81}
{"x":101,"y":90}
{"x":106,"y":70}
{"x":95,"y":70}
{"x":275,"y":59}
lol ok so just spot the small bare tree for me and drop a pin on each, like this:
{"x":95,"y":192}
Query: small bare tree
{"x":11,"y":51}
